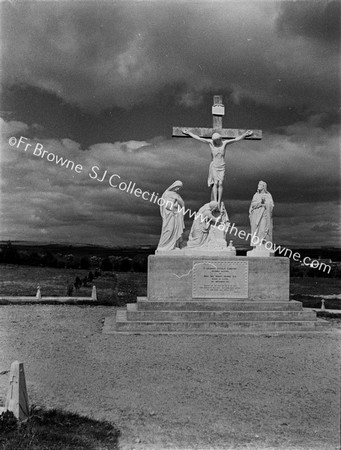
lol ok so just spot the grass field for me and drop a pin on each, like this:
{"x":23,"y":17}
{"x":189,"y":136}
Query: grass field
{"x":54,"y":430}
{"x":23,"y":280}
{"x":310,"y":290}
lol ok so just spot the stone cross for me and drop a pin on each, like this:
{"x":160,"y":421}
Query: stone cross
{"x":218,"y":111}
{"x":17,"y":398}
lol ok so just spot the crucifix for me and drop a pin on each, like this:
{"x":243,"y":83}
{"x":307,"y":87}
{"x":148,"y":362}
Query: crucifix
{"x":217,"y":138}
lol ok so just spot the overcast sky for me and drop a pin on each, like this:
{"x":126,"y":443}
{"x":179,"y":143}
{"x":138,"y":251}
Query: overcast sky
{"x":103,"y":83}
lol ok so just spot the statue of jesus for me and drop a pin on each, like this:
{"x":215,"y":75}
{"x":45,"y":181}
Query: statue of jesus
{"x":216,"y":174}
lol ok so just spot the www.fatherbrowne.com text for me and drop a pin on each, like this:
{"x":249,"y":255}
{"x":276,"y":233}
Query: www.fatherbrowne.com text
{"x":113,"y":180}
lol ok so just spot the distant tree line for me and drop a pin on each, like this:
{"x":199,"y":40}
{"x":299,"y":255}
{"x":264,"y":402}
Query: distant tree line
{"x":9,"y":254}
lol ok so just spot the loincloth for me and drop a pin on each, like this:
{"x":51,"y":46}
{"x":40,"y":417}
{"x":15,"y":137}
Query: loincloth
{"x":216,"y":173}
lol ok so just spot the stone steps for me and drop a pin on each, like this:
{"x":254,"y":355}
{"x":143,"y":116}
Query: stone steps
{"x":213,"y":317}
{"x":211,"y":294}
{"x":122,"y":324}
{"x":217,"y":316}
{"x":216,"y":305}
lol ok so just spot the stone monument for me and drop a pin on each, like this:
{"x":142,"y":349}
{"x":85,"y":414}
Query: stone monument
{"x":203,"y":287}
{"x":260,"y":214}
{"x":173,"y":223}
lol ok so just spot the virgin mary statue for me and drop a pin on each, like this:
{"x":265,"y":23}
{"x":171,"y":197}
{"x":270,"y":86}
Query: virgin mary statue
{"x":172,"y":213}
{"x":261,"y":217}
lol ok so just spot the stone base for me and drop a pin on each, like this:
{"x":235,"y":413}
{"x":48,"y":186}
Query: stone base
{"x":211,"y":317}
{"x":198,"y":251}
{"x":260,"y":252}
{"x":175,"y":276}
{"x":213,"y":294}
{"x":222,"y":251}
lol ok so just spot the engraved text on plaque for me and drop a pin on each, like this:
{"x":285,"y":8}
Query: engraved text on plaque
{"x":220,"y":279}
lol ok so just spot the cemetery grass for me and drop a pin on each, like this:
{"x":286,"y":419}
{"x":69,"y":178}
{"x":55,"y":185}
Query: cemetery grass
{"x":23,"y":280}
{"x":54,"y":430}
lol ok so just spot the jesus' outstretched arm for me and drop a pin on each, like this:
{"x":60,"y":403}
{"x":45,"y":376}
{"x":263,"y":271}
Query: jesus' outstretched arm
{"x":239,"y":138}
{"x":194,"y":136}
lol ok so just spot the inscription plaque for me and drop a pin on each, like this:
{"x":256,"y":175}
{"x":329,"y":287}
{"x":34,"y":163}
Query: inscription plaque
{"x":220,"y":279}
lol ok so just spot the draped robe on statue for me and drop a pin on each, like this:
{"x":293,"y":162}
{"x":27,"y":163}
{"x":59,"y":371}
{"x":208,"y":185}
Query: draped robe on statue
{"x":172,"y":218}
{"x":199,"y":234}
{"x":261,"y":217}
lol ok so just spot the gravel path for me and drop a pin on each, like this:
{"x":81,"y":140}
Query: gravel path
{"x":178,"y":392}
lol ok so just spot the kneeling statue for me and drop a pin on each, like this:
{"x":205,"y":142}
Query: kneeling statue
{"x":198,"y":236}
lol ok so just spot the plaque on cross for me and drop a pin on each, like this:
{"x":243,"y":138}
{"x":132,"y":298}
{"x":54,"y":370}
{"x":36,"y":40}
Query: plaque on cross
{"x":218,"y":111}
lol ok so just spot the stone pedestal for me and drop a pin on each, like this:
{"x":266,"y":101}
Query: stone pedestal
{"x":204,"y":292}
{"x":260,"y":252}
{"x":255,"y":279}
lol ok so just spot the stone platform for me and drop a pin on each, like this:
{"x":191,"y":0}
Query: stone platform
{"x":212,"y":294}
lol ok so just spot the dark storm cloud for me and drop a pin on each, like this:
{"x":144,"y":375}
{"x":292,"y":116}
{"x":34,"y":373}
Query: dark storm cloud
{"x":317,"y":20}
{"x":151,"y":65}
{"x":124,"y":54}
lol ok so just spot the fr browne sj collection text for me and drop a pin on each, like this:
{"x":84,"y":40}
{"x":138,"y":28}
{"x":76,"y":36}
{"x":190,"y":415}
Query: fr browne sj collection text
{"x":95,"y":173}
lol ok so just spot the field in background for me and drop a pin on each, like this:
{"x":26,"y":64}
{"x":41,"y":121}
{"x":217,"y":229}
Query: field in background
{"x":310,"y":291}
{"x":112,"y":288}
{"x":121,"y":287}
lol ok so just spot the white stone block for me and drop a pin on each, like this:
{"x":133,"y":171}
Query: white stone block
{"x":17,"y":398}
